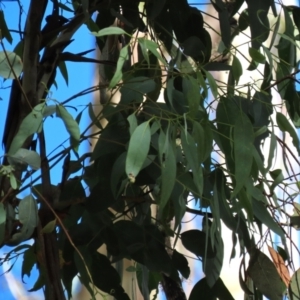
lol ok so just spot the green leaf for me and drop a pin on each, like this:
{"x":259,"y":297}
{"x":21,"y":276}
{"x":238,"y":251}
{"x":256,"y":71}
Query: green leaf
{"x":64,"y":71}
{"x":202,"y":288}
{"x":32,"y":123}
{"x":105,"y":276}
{"x":65,"y":7}
{"x":218,"y":290}
{"x":152,"y":47}
{"x":168,"y":168}
{"x":278,"y":178}
{"x":198,"y":243}
{"x":93,"y":117}
{"x":2,"y":222}
{"x":138,"y":149}
{"x":49,"y":110}
{"x":113,"y":30}
{"x":28,"y":217}
{"x":257,"y":56}
{"x":27,"y":157}
{"x":261,"y":213}
{"x":191,"y":91}
{"x":118,"y":72}
{"x":259,"y":22}
{"x":212,"y":84}
{"x":285,"y":125}
{"x":294,"y":287}
{"x":243,"y":140}
{"x":71,"y":125}
{"x":117,"y":174}
{"x":132,"y":120}
{"x":265,"y":276}
{"x":29,"y":260}
{"x":243,"y":20}
{"x":212,"y":266}
{"x":237,"y":70}
{"x":49,"y":227}
{"x":84,"y":267}
{"x":40,"y":282}
{"x":134,"y":89}
{"x":181,"y":264}
{"x":11,"y":65}
{"x":13,"y":181}
{"x":190,"y":151}
{"x":5,"y":33}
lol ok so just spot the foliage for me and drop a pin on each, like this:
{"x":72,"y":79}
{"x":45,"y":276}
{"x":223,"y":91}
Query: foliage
{"x":207,"y":143}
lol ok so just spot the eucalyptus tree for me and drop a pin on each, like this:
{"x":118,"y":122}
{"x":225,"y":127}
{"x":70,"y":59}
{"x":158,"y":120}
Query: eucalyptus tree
{"x":203,"y":145}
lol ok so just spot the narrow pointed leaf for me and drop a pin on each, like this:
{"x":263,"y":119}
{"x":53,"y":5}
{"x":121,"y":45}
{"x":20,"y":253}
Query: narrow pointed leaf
{"x":243,"y":140}
{"x":285,"y":125}
{"x":71,"y":125}
{"x":137,"y":150}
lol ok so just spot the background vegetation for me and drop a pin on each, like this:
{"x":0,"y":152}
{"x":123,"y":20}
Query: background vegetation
{"x":208,"y":144}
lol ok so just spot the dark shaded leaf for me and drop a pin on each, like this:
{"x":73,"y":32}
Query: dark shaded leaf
{"x":5,"y":33}
{"x":265,"y":276}
{"x":2,"y":222}
{"x":29,"y":260}
{"x":181,"y":264}
{"x":259,"y":23}
{"x":294,"y":287}
{"x":197,"y":242}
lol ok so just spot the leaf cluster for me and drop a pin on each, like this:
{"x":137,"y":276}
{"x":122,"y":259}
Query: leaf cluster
{"x":203,"y":145}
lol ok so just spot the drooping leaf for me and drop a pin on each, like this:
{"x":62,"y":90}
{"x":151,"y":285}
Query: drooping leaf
{"x":243,"y":138}
{"x":134,"y":89}
{"x":11,"y":65}
{"x":138,"y":149}
{"x":202,"y":288}
{"x":49,"y":227}
{"x":152,"y":47}
{"x":212,"y":266}
{"x":191,"y":91}
{"x":258,"y":21}
{"x":261,"y":212}
{"x":71,"y":125}
{"x":2,"y":222}
{"x":294,"y":287}
{"x":198,"y":243}
{"x":257,"y":56}
{"x":64,"y":71}
{"x":285,"y":125}
{"x":5,"y":33}
{"x":243,"y":21}
{"x":190,"y":151}
{"x":113,"y":30}
{"x":224,"y":19}
{"x":31,"y":124}
{"x":25,"y":157}
{"x":212,"y":84}
{"x":123,"y":56}
{"x":132,"y":123}
{"x":218,"y":290}
{"x":29,"y":260}
{"x":265,"y":276}
{"x":181,"y":264}
{"x":40,"y":282}
{"x":28,"y":217}
{"x":237,"y":70}
{"x":168,"y":167}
